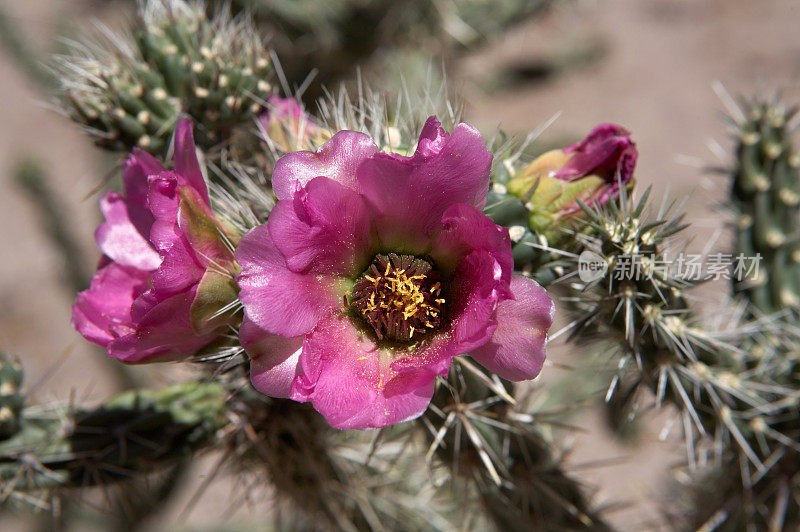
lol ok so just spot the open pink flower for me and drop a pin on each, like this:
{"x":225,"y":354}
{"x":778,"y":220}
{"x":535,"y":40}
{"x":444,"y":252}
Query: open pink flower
{"x":374,"y":270}
{"x":166,"y":271}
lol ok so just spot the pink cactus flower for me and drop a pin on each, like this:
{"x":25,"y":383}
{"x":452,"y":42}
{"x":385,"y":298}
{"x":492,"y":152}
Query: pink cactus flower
{"x":283,"y":109}
{"x":166,"y":270}
{"x":374,"y":270}
{"x":288,"y":126}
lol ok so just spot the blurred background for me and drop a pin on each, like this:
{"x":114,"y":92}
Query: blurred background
{"x":648,"y":65}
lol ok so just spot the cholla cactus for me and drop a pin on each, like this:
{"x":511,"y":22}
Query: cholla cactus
{"x":11,"y":398}
{"x":735,"y":386}
{"x":128,"y":90}
{"x":348,"y":269}
{"x":731,"y":406}
{"x":766,"y":195}
{"x":346,"y":480}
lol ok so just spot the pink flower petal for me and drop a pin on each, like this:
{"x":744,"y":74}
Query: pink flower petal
{"x":135,"y":171}
{"x":282,"y":109}
{"x":185,"y":158}
{"x":607,"y":152}
{"x":477,"y":288}
{"x":465,"y":229}
{"x":435,"y":355}
{"x":277,"y":299}
{"x":351,"y":382}
{"x":410,"y":194}
{"x":325,"y":228}
{"x":179,"y":270}
{"x":337,"y":159}
{"x":103,"y":312}
{"x":164,"y":199}
{"x":120,"y":240}
{"x":273,"y":359}
{"x":162,"y":196}
{"x":517,"y":349}
{"x":164,"y":333}
{"x":432,"y":139}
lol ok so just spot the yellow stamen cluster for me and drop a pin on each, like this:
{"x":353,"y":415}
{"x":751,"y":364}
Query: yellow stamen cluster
{"x":399,"y":296}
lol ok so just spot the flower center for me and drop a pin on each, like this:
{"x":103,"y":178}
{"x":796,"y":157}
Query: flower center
{"x":399,"y":296}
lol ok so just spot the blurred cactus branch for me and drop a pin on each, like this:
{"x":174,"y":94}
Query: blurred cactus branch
{"x":335,"y":38}
{"x":135,"y":433}
{"x":765,"y":195}
{"x":319,"y":474}
{"x":18,"y":47}
{"x":30,"y":175}
{"x":765,"y":198}
{"x":545,"y":67}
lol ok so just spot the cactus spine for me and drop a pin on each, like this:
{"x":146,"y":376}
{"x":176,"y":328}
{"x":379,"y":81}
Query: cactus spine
{"x":500,"y":447}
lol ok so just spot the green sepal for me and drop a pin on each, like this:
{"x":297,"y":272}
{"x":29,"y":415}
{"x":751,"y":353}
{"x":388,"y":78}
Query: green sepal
{"x":215,"y":292}
{"x":554,"y":200}
{"x":525,"y":181}
{"x":211,"y":240}
{"x":582,"y":189}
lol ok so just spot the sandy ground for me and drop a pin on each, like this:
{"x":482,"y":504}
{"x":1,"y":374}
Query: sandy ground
{"x":662,"y":57}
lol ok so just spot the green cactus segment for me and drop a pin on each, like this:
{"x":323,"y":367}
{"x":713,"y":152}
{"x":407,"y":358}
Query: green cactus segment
{"x":528,"y":247}
{"x":11,"y":398}
{"x":130,"y":92}
{"x":766,"y":196}
{"x":136,"y":432}
{"x":642,"y":303}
